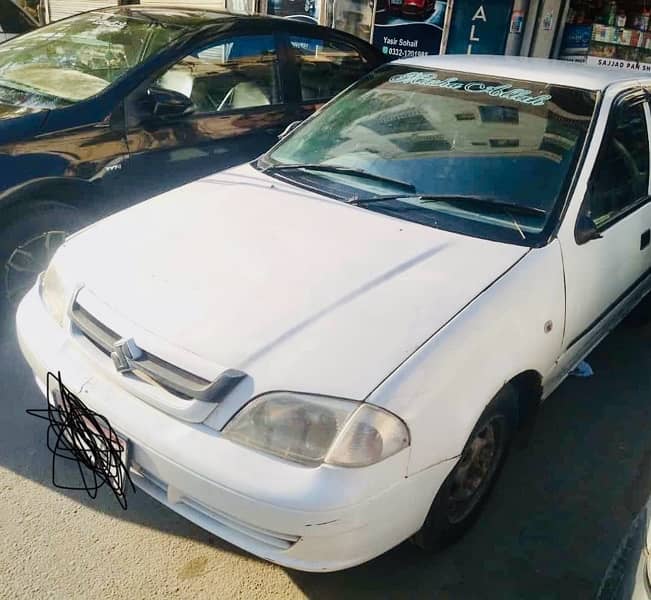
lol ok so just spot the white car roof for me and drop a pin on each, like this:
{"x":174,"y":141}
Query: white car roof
{"x":543,"y":70}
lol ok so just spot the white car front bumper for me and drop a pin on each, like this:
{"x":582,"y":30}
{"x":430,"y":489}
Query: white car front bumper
{"x":313,"y":519}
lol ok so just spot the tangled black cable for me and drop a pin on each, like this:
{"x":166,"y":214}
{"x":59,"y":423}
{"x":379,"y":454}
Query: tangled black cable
{"x":81,"y":435}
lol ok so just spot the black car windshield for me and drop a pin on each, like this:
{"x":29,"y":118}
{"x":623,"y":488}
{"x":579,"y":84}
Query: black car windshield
{"x":479,"y":155}
{"x":76,"y":58}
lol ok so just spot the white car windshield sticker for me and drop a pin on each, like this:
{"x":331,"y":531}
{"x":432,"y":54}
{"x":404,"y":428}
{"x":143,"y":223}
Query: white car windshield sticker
{"x":505,"y":91}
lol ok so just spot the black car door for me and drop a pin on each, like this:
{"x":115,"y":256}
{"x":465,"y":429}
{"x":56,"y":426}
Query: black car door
{"x":237,"y":104}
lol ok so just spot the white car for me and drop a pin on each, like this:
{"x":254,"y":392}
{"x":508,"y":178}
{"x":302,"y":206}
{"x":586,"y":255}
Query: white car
{"x":323,"y":353}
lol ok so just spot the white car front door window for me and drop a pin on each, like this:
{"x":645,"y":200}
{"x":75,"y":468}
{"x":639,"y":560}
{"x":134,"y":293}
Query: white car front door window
{"x":602,"y":273}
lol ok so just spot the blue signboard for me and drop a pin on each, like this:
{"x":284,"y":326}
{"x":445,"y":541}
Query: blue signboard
{"x":479,"y":26}
{"x":576,"y":39}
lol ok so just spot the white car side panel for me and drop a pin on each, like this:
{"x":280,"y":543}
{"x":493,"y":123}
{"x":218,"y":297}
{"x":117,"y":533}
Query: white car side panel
{"x":443,"y":388}
{"x":600,"y":271}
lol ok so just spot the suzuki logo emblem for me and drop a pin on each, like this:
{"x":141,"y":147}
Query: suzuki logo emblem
{"x":125,"y":352}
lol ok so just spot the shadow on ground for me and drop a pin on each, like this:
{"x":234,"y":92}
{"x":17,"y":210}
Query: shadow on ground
{"x":564,"y":500}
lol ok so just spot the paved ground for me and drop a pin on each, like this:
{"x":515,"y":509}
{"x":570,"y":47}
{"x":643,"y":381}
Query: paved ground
{"x":557,"y":513}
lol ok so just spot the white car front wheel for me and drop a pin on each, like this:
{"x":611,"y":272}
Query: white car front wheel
{"x":462,"y":495}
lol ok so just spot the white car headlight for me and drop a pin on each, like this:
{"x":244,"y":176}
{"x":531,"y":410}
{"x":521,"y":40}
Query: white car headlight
{"x":53,"y":293}
{"x":312,"y":429}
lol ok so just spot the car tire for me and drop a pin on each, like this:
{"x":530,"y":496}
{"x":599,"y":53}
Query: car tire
{"x":457,"y":506}
{"x":27,"y":243}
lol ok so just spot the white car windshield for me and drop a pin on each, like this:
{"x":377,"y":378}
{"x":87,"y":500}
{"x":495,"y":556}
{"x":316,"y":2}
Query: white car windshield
{"x":77,"y":58}
{"x":481,"y":155}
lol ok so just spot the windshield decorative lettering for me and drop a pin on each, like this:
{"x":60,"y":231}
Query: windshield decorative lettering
{"x":504,"y":91}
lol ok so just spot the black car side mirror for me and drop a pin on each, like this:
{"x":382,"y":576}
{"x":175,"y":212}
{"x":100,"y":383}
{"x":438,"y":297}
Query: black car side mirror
{"x":285,"y":132}
{"x":168,"y":103}
{"x":586,"y":230}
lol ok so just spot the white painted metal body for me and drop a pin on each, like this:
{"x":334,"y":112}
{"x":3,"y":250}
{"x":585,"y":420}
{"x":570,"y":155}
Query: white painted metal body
{"x":304,"y":293}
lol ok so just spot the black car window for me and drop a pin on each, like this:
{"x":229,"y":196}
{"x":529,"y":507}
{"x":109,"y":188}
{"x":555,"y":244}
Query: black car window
{"x":76,"y":58}
{"x":620,"y":178}
{"x":233,"y":74}
{"x":325,"y":67}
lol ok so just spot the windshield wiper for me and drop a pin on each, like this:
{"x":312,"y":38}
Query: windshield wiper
{"x":487,"y":201}
{"x":508,"y":208}
{"x":342,"y":170}
{"x":429,"y":198}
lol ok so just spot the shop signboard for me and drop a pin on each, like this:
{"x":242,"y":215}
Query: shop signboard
{"x":404,"y":28}
{"x":480,"y":26}
{"x":576,"y":39}
{"x":617,"y":63}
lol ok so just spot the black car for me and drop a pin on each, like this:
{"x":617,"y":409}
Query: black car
{"x":110,"y":107}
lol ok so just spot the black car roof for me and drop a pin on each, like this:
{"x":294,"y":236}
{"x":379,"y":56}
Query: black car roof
{"x":172,"y":14}
{"x":187,"y":15}
{"x":194,"y":19}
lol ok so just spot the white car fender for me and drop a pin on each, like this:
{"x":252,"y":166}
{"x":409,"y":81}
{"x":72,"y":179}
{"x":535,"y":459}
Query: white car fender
{"x":514,"y":326}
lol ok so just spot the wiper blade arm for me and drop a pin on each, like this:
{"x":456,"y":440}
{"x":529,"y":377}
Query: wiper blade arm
{"x":382,"y":198}
{"x":486,"y":201}
{"x":342,"y":170}
{"x":428,"y":198}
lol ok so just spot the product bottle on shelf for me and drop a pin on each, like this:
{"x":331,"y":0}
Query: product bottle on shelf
{"x":611,"y":15}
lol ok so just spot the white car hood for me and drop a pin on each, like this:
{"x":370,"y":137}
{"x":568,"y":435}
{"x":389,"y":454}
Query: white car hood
{"x":300,"y":292}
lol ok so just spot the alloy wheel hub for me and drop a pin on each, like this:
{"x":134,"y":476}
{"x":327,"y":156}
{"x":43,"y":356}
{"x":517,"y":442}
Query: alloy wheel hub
{"x":27,"y":261}
{"x":474,"y":470}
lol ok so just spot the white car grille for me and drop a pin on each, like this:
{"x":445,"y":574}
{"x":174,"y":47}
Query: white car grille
{"x":152,"y":369}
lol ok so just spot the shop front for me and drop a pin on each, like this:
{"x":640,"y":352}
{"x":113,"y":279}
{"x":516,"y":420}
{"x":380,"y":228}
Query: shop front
{"x":399,"y":27}
{"x":404,"y":28}
{"x":610,"y":34}
{"x":598,"y":32}
{"x":602,"y":33}
{"x":60,"y":9}
{"x":352,"y":16}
